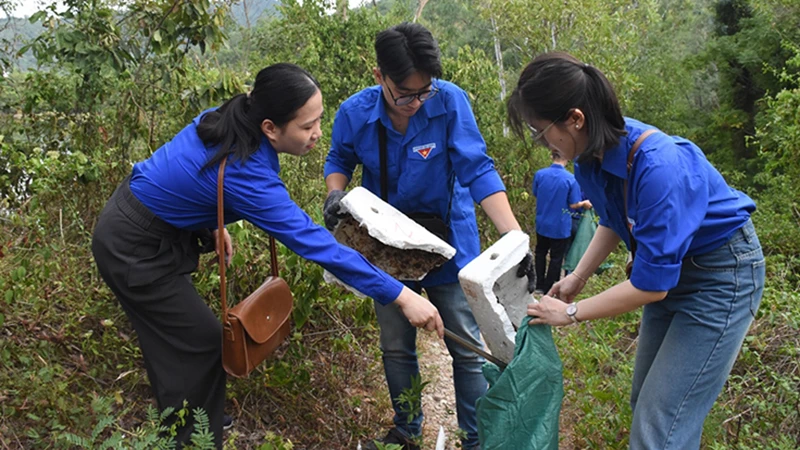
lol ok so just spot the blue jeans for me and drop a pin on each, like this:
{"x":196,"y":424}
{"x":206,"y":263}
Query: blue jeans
{"x":689,"y":341}
{"x":398,"y":343}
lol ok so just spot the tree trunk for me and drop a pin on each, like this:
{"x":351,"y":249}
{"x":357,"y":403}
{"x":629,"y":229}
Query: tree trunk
{"x":422,"y":4}
{"x":501,"y":76}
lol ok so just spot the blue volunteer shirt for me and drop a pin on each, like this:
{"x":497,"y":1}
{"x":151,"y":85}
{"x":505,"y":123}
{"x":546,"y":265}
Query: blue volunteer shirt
{"x":679,"y":204}
{"x":555,"y":189}
{"x":442,"y":138}
{"x":172,"y":184}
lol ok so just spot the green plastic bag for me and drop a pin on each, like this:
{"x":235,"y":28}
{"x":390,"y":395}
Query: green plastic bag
{"x":520,"y":410}
{"x":586,"y":229}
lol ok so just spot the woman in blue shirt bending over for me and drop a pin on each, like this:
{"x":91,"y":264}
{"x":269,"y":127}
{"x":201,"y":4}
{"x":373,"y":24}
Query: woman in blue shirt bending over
{"x":145,"y":241}
{"x":698,"y":268}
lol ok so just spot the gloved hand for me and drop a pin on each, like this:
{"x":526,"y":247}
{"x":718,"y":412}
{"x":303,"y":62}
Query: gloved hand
{"x":330,"y":209}
{"x":525,"y":269}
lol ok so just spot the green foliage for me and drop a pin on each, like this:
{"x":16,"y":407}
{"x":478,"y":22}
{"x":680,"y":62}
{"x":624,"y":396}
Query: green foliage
{"x":153,"y":434}
{"x":410,"y":399}
{"x":112,"y":85}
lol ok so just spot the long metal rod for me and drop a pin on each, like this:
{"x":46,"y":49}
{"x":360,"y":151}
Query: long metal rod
{"x":466,"y":344}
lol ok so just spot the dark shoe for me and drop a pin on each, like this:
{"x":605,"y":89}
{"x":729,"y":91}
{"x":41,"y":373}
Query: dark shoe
{"x":394,"y":436}
{"x":227,"y":422}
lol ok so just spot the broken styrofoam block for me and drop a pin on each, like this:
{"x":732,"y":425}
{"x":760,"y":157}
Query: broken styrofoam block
{"x":388,"y":238}
{"x":498,"y":298}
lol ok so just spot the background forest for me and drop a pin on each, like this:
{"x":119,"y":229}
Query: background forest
{"x":92,"y":86}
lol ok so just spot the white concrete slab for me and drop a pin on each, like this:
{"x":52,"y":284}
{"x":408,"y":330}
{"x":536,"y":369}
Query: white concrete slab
{"x":497,"y":297}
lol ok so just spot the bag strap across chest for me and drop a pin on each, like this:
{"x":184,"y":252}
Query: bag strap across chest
{"x":221,"y":244}
{"x":631,"y":155}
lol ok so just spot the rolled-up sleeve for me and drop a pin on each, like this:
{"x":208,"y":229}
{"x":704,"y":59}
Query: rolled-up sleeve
{"x":342,"y":157}
{"x":671,"y":202}
{"x":266,"y":204}
{"x":474,"y":168}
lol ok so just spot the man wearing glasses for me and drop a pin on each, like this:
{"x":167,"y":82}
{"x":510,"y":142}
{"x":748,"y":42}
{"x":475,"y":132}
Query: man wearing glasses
{"x":419,"y":145}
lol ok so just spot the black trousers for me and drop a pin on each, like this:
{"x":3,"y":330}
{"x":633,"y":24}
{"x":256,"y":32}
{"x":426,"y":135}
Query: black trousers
{"x":557,"y":249}
{"x":147,"y":263}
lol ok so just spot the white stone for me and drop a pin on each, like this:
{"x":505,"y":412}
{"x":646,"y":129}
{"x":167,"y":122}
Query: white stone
{"x":374,"y":224}
{"x":498,"y":298}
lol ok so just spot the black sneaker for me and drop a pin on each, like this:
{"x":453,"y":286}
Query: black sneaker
{"x":227,"y":422}
{"x":394,"y":436}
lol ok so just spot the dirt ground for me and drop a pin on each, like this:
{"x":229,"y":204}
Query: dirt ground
{"x":439,"y":398}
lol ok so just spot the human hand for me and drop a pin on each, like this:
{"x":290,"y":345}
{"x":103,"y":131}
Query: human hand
{"x":550,"y":311}
{"x":420,"y":312}
{"x":568,"y":288}
{"x":226,"y":242}
{"x":330,"y":209}
{"x":525,"y":269}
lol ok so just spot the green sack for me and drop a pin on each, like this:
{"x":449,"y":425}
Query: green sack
{"x":586,"y":229}
{"x":520,"y":410}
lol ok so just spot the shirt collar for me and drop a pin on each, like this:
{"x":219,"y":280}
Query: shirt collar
{"x":615,"y":160}
{"x":272,"y":154}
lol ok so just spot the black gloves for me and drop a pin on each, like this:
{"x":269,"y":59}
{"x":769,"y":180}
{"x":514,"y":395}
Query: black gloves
{"x":525,"y":269}
{"x":330,"y":209}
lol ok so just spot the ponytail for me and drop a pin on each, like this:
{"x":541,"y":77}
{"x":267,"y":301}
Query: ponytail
{"x":604,"y":121}
{"x":230,"y":128}
{"x":235,"y":128}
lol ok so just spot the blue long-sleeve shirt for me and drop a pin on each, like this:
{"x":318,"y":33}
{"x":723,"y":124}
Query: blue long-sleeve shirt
{"x":442,"y":138}
{"x":173,"y":185}
{"x":555,"y":189}
{"x":678,"y":203}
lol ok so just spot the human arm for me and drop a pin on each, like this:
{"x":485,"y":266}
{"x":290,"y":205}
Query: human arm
{"x":336,"y":181}
{"x":604,"y":241}
{"x":474,"y":168}
{"x":585,"y":204}
{"x":339,"y":165}
{"x":499,"y":211}
{"x":619,"y":299}
{"x":419,"y":311}
{"x":225,"y":242}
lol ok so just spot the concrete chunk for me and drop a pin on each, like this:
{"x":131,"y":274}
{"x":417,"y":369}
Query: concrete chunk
{"x":388,"y":238}
{"x":497,"y":297}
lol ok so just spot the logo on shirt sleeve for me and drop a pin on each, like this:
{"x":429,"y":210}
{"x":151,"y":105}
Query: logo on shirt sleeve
{"x":424,"y":150}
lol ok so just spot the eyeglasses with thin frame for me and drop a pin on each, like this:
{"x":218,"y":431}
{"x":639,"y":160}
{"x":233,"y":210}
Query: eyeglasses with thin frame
{"x":538,"y":136}
{"x":406,"y":99}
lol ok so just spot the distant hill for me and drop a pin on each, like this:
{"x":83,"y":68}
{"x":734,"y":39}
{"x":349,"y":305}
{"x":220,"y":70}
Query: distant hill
{"x":15,"y":32}
{"x":256,"y":9}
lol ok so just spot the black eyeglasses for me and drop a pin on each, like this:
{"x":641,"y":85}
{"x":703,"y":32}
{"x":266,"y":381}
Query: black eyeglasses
{"x":406,"y":99}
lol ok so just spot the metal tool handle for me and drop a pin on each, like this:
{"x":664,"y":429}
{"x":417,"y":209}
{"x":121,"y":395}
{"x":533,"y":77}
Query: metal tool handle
{"x":466,"y":344}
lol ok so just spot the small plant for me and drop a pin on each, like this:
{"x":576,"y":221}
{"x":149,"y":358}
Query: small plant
{"x":410,"y":399}
{"x":382,"y":446}
{"x":274,"y":442}
{"x":153,"y":434}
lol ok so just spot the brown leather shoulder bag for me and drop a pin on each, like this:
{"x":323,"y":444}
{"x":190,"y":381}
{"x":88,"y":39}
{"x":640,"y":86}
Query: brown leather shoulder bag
{"x":256,"y":326}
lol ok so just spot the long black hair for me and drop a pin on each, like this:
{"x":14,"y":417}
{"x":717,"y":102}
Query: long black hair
{"x":235,"y":128}
{"x":554,"y":84}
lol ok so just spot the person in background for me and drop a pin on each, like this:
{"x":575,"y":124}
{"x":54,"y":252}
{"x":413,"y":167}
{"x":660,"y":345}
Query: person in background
{"x":698,"y":268}
{"x":145,"y":242}
{"x":435,"y":167}
{"x":576,"y":215}
{"x":556,"y":194}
